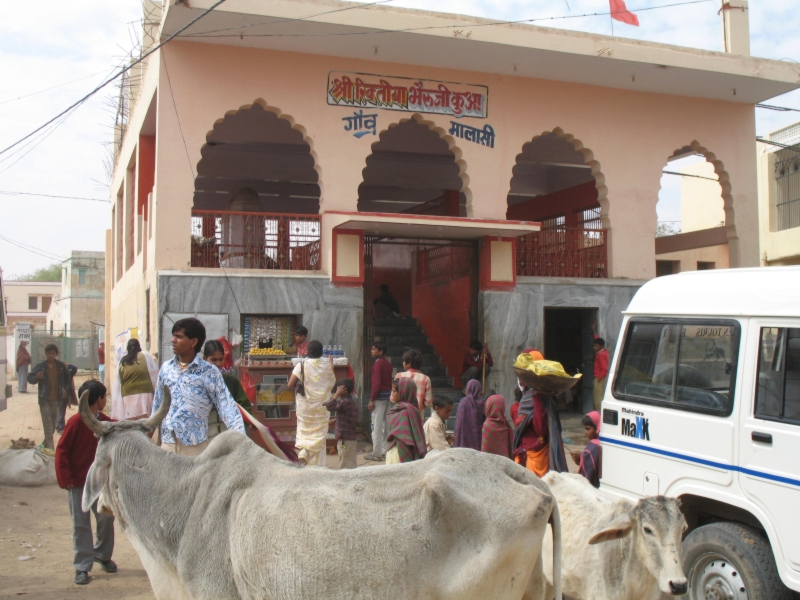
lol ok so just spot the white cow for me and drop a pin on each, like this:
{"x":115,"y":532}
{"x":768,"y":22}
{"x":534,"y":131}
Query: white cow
{"x":237,"y":523}
{"x":616,"y":550}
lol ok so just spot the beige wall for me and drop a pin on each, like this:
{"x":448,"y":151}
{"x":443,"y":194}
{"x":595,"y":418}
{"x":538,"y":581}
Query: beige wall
{"x":689,"y":258}
{"x":778,"y":248}
{"x":616,"y":130}
{"x":702,"y":206}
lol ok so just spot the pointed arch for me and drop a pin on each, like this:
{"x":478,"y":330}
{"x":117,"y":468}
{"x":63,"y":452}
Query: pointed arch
{"x":443,"y":135}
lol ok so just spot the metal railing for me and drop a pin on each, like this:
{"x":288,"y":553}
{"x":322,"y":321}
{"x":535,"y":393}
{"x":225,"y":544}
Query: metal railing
{"x":561,"y":252}
{"x":445,"y":263}
{"x":249,"y":240}
{"x":787,"y":178}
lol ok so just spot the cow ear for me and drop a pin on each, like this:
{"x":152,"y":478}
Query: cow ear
{"x":618,"y":528}
{"x":96,"y":480}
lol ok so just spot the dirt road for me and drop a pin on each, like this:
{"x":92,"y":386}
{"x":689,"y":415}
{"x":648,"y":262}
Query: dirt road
{"x":36,"y":522}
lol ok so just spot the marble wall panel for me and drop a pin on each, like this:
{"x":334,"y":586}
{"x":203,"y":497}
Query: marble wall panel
{"x":515,"y":320}
{"x":332,"y":315}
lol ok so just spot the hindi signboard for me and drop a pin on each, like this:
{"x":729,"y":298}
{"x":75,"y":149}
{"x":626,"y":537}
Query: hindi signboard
{"x":408,"y":95}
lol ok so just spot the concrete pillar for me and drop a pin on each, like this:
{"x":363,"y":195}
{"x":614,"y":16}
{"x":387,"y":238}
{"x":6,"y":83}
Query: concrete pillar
{"x":736,"y":26}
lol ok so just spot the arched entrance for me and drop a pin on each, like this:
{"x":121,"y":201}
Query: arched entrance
{"x":694,"y":226}
{"x":256,"y":196}
{"x":412,"y":170}
{"x":554,"y":182}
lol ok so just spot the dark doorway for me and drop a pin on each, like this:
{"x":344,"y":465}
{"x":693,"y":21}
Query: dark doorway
{"x":568,"y":338}
{"x":435,"y":283}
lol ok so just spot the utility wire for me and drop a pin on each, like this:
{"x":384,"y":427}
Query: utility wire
{"x":113,"y":77}
{"x":689,"y":175}
{"x":796,"y":147}
{"x":177,"y":115}
{"x":38,"y":251}
{"x":55,"y":87}
{"x":471,"y":26}
{"x":362,"y":5}
{"x":778,"y":108}
{"x":8,"y":193}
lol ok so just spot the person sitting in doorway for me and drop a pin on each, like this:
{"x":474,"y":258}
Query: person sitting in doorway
{"x":386,"y":305}
{"x":472,"y":366}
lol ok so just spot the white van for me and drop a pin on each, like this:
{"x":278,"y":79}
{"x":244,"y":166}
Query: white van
{"x":724,"y":434}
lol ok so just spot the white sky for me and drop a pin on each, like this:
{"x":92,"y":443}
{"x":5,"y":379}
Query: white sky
{"x":51,"y":42}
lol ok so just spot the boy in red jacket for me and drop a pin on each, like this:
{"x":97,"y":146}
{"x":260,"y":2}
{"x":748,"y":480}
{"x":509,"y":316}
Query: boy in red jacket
{"x":74,"y":457}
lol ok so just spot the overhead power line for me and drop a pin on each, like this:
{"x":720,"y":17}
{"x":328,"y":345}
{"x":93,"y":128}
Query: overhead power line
{"x":32,"y":249}
{"x":113,"y":77}
{"x":8,"y":193}
{"x":429,"y":27}
{"x":55,"y":87}
{"x":778,"y":108}
{"x":689,"y":175}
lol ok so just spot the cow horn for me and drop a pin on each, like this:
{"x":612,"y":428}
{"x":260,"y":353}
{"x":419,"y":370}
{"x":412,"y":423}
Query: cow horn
{"x":154,"y":421}
{"x":88,"y":418}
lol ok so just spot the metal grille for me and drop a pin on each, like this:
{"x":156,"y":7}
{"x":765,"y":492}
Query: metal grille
{"x":369,"y":326}
{"x":590,"y":218}
{"x":246,"y":240}
{"x":558,"y":222}
{"x":444,"y":263}
{"x":787,"y":179}
{"x":563,"y":253}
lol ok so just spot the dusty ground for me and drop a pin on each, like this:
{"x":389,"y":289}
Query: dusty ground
{"x":36,"y":522}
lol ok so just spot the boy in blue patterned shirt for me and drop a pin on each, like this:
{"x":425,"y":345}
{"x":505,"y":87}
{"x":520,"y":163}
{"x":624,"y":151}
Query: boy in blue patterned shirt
{"x":194,"y":386}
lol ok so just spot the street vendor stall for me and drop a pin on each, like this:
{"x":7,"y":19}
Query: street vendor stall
{"x":270,"y":368}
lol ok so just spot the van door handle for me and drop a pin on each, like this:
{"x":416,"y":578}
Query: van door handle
{"x":764,"y":438}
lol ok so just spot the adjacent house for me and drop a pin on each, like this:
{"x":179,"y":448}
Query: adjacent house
{"x":779,"y":196}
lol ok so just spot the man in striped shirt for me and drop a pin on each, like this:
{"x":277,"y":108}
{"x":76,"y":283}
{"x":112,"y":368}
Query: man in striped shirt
{"x":412,"y":363}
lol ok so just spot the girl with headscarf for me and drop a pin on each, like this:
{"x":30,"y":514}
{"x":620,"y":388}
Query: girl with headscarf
{"x":498,"y":437}
{"x":23,"y":362}
{"x":406,"y":438}
{"x":589,"y":461}
{"x":470,"y":417}
{"x":132,"y":394}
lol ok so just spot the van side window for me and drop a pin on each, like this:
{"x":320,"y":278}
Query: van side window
{"x":681,"y":364}
{"x":778,"y":391}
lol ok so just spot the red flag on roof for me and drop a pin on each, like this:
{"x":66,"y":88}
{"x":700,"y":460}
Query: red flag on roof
{"x":620,"y":12}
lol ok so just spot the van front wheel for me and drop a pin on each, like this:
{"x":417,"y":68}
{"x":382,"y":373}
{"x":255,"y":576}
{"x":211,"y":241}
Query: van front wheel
{"x":730,"y":561}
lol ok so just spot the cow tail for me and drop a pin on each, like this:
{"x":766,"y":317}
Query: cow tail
{"x":555,"y":526}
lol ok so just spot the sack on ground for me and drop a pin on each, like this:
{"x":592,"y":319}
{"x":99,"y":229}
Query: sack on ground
{"x":26,"y":468}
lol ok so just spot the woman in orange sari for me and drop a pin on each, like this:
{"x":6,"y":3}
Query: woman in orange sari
{"x":532,"y":435}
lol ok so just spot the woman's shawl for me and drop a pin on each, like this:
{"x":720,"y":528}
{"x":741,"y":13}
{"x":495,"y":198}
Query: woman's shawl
{"x":117,"y":411}
{"x":497,"y":435}
{"x":405,"y":423}
{"x":470,"y":418}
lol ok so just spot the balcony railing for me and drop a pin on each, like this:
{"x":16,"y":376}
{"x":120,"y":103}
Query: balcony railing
{"x":788,"y":215}
{"x":560,"y":252}
{"x":249,"y":240}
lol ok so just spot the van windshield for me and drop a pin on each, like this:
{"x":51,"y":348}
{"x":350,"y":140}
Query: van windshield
{"x":681,"y":364}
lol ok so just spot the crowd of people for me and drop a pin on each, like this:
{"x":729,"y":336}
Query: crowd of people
{"x":202,"y":397}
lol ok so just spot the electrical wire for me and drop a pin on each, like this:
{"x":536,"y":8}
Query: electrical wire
{"x":177,"y":116}
{"x":362,"y":5}
{"x":471,"y":26}
{"x":689,"y":175}
{"x":113,"y":77}
{"x":38,"y":251}
{"x":7,"y":193}
{"x":55,"y":87}
{"x":778,"y":108}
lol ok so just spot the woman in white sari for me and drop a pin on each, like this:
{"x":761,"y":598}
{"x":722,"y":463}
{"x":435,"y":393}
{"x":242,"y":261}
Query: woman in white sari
{"x":316,"y":375}
{"x":132,"y":394}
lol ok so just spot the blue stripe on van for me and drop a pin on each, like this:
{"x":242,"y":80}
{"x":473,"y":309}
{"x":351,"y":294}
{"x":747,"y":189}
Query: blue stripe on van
{"x":701,"y":461}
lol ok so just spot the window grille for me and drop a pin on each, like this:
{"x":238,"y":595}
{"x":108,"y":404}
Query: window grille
{"x":81,"y":276}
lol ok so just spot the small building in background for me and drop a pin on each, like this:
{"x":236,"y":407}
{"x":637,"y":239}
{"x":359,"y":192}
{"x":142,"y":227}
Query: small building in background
{"x":81,"y":298}
{"x":26,"y":303}
{"x":779,"y":197}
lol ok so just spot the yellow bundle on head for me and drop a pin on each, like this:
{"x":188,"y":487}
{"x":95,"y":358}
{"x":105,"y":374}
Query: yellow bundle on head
{"x":541,"y":367}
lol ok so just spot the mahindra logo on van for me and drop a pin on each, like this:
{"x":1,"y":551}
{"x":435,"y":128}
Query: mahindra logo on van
{"x":636,"y":428}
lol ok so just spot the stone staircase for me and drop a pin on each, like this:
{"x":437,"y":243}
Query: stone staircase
{"x":404,"y":333}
